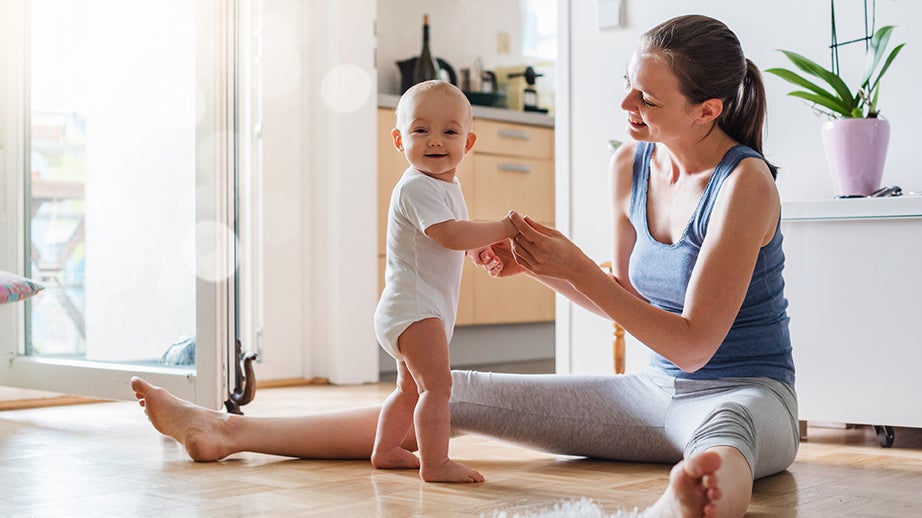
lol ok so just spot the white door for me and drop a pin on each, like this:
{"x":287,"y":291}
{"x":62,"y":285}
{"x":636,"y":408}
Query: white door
{"x":117,"y":189}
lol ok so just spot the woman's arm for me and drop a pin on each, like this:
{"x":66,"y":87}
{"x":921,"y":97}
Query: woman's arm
{"x":621,"y":179}
{"x":620,"y":183}
{"x":743,"y":220}
{"x":499,"y":261}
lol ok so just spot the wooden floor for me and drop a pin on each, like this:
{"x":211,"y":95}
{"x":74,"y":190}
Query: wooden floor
{"x":105,"y":459}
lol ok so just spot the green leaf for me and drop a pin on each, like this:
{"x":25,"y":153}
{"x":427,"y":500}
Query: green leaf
{"x":886,"y":66}
{"x":826,"y":102}
{"x":840,"y":100}
{"x":878,"y":46}
{"x":812,"y":68}
{"x":802,"y":82}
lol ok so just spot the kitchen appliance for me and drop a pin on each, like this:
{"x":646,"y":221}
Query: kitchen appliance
{"x":406,"y":72}
{"x":480,"y":86}
{"x":519,"y":85}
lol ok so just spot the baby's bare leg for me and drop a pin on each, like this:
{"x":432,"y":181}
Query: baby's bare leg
{"x":425,"y":349}
{"x":395,"y":421}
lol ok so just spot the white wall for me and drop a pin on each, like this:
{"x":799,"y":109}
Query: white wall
{"x":340,"y":101}
{"x":319,"y":177}
{"x":793,"y":141}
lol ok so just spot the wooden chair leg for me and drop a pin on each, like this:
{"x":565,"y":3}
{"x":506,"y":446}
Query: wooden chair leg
{"x":618,"y":348}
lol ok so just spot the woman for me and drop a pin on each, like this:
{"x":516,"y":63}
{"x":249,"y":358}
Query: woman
{"x":697,"y":266}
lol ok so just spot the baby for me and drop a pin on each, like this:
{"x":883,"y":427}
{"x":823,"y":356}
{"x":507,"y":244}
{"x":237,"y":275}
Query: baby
{"x":427,"y":235}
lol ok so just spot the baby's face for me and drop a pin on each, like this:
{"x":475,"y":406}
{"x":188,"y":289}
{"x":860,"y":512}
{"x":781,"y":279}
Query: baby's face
{"x":435,"y":132}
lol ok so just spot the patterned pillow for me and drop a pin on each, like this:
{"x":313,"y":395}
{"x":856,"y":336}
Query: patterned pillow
{"x":14,"y":288}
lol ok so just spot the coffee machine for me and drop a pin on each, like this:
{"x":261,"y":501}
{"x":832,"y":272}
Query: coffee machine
{"x":518,"y":83}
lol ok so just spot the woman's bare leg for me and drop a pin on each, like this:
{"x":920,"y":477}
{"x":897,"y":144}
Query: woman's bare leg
{"x":210,"y":435}
{"x":395,"y":422}
{"x":716,"y":482}
{"x":424,"y":347}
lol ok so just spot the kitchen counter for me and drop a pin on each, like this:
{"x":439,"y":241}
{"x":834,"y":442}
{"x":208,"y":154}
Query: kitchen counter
{"x":487,"y":112}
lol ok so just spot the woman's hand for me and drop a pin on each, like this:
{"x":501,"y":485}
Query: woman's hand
{"x":545,"y":251}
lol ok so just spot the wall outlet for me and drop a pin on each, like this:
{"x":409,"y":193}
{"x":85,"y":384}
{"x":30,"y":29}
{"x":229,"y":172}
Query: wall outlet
{"x":502,"y":43}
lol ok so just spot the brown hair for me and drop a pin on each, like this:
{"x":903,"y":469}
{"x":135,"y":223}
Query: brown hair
{"x":707,"y":58}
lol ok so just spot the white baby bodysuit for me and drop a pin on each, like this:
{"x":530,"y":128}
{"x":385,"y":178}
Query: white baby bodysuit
{"x":422,"y":278}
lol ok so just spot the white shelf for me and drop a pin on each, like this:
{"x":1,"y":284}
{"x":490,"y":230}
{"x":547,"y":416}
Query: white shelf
{"x":853,"y":208}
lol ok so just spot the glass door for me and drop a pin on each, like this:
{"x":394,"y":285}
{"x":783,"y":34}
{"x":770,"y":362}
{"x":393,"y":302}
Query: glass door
{"x":119,"y":173}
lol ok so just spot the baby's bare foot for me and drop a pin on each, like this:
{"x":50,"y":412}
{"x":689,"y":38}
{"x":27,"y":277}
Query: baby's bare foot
{"x":693,"y":488}
{"x":198,"y":429}
{"x":396,"y":458}
{"x":449,"y":471}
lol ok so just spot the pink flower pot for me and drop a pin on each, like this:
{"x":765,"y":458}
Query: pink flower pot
{"x":856,"y":150}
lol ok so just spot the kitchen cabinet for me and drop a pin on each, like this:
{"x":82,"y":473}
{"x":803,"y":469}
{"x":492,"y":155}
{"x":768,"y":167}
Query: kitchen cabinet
{"x":855,"y":294}
{"x":510,"y":167}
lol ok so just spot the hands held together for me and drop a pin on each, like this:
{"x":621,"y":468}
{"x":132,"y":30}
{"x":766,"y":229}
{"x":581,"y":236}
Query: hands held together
{"x":536,"y":249}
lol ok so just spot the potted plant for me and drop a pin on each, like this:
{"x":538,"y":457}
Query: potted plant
{"x":855,"y":138}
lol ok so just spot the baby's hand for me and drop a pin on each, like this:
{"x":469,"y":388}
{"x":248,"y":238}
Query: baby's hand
{"x":485,"y":258}
{"x":496,"y":259}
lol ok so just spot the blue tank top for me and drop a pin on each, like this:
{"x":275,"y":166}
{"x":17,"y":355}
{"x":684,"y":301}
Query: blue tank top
{"x":759,"y":341}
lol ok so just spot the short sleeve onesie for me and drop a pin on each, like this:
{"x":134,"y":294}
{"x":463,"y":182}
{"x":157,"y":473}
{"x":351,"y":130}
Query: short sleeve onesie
{"x":422,"y":278}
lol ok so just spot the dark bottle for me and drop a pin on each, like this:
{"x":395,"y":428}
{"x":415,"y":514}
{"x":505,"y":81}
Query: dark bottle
{"x":426,"y":66}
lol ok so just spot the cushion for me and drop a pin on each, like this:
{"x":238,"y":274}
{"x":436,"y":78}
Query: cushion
{"x":14,"y":287}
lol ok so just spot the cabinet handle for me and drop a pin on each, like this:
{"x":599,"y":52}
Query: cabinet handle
{"x":516,"y":134}
{"x":514,"y":168}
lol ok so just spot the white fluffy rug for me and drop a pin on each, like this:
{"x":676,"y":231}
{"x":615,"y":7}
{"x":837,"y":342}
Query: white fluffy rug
{"x":584,"y":508}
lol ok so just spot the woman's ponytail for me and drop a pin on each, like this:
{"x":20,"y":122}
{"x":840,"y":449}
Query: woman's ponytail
{"x":744,"y":115}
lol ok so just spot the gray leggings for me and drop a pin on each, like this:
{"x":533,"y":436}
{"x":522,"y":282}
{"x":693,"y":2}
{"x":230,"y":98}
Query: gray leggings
{"x":644,"y":417}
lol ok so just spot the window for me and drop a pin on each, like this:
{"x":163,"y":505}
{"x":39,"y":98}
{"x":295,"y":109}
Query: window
{"x":118,"y":189}
{"x":539,"y":34}
{"x":112,"y":150}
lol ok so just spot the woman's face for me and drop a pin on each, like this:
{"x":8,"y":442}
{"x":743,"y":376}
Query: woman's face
{"x":656,"y":109}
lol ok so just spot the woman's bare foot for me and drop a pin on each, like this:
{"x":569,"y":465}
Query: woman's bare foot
{"x":449,"y":471}
{"x":693,"y":488}
{"x":198,"y":429}
{"x":395,"y":458}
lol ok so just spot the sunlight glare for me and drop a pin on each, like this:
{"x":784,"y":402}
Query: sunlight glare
{"x":215,"y":262}
{"x":345,"y":88}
